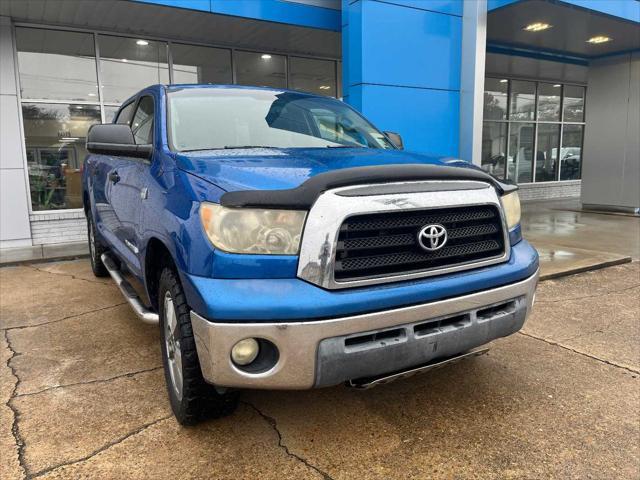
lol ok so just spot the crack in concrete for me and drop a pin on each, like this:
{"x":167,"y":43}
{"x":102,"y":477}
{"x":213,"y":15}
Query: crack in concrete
{"x":274,"y":425}
{"x":22,"y":327}
{"x":88,"y":382}
{"x":15,"y":430}
{"x":70,"y":275}
{"x":588,"y":355}
{"x":97,"y":451}
{"x":603,"y":294}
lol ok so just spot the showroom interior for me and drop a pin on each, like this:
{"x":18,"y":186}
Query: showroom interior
{"x":543,"y":93}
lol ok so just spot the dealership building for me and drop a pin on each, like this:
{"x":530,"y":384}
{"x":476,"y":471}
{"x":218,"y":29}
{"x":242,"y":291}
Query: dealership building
{"x":545,"y":93}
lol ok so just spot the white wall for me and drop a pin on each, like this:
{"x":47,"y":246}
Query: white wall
{"x":15,"y":230}
{"x":611,"y":163}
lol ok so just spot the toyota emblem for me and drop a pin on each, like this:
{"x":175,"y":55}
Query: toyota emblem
{"x":432,"y":237}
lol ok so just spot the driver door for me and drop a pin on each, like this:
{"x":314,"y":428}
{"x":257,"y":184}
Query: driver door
{"x":128,"y":185}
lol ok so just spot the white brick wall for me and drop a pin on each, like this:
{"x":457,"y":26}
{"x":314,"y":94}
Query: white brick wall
{"x":59,"y":227}
{"x":545,"y":191}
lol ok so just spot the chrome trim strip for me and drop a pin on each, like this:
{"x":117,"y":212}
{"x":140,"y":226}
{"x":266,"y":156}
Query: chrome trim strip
{"x":298,"y":342}
{"x":384,"y":379}
{"x":320,"y":236}
{"x":130,"y":295}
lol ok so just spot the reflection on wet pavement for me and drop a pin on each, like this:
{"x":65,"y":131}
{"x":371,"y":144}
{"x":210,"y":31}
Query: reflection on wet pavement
{"x":572,"y":240}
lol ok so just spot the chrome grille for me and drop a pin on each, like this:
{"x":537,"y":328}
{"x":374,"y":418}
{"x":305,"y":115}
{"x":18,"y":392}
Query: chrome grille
{"x":384,"y":244}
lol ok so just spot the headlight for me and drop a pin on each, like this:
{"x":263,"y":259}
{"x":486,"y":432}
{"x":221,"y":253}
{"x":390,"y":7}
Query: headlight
{"x":511,"y":205}
{"x":249,"y":230}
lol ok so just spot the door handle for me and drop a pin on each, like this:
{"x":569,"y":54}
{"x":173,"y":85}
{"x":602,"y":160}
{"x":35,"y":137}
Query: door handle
{"x":114,"y":177}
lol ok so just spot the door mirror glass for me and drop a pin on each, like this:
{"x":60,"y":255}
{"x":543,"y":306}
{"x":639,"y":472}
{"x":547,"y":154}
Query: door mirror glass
{"x":115,"y":139}
{"x":396,"y":139}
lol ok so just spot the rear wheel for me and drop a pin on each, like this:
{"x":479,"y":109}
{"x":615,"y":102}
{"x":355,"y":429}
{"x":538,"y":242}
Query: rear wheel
{"x":192,"y":399}
{"x":96,"y":249}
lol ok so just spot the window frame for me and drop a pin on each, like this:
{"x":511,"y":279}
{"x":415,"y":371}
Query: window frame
{"x":536,"y":122}
{"x":100,"y":100}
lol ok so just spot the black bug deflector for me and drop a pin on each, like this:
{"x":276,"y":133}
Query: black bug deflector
{"x":303,"y":196}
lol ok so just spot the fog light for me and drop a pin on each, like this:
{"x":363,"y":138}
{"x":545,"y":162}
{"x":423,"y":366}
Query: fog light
{"x":245,"y":351}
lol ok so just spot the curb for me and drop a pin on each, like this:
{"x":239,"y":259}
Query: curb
{"x":588,"y":268}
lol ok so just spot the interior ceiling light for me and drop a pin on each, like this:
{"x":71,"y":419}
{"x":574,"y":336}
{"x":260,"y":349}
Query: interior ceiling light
{"x":142,"y":43}
{"x":324,"y":87}
{"x":599,"y":39}
{"x":537,"y":27}
{"x":125,"y":60}
{"x":504,"y":80}
{"x":266,"y":56}
{"x":557,"y":85}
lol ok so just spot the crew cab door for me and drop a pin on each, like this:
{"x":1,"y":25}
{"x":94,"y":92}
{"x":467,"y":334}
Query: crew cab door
{"x":103,"y":174}
{"x":128,"y":185}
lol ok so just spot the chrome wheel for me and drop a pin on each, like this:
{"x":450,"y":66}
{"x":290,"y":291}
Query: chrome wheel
{"x":172,"y":344}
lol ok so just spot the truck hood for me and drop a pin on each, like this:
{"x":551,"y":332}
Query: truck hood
{"x":280,"y":169}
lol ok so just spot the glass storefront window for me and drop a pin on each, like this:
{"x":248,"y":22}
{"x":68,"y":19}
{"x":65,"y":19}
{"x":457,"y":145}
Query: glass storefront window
{"x":495,"y":98}
{"x":549,"y":102}
{"x":315,"y":76}
{"x":127,"y":65}
{"x":520,"y":160}
{"x":55,"y":144}
{"x":547,"y":152}
{"x":571,"y":152}
{"x":523,"y":100}
{"x":196,"y":64}
{"x":573,"y":103}
{"x":537,"y":114}
{"x":494,"y":147}
{"x":261,"y":69}
{"x":61,"y":66}
{"x":56,"y":65}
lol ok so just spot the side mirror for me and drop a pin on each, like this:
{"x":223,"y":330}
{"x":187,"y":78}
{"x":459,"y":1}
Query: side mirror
{"x":395,"y":138}
{"x":115,"y":139}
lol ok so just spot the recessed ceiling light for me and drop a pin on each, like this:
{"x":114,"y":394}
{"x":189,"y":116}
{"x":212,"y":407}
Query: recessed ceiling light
{"x":324,"y":87}
{"x":266,"y":56}
{"x":537,"y":27}
{"x":504,"y":80}
{"x":125,"y":60}
{"x":557,"y":85}
{"x":599,"y":39}
{"x":142,"y":43}
{"x":91,"y":94}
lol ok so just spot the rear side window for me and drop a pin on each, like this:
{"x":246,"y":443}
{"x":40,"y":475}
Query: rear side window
{"x":124,"y":117}
{"x":142,"y":124}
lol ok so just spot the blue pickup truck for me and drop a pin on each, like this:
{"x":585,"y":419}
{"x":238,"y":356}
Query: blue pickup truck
{"x":281,"y":241}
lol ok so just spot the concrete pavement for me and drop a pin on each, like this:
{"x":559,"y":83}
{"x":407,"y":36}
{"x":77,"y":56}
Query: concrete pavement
{"x":82,"y":395}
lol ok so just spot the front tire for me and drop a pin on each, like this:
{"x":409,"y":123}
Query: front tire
{"x":96,"y":249}
{"x":191,"y":398}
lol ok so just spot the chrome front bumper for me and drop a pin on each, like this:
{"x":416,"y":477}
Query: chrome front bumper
{"x":327,"y":352}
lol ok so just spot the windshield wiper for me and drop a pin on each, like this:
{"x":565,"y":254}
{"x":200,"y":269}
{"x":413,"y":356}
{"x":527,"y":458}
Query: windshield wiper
{"x":346,"y":146}
{"x":239,"y":147}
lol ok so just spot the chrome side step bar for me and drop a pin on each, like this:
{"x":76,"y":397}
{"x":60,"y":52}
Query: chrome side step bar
{"x":129,"y":293}
{"x":370,"y":382}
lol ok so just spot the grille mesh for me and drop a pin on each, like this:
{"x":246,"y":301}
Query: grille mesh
{"x":377,"y":245}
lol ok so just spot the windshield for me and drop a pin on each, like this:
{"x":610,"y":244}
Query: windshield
{"x":212,"y":118}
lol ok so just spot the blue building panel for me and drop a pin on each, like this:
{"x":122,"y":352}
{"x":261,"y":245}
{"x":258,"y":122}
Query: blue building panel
{"x":269,"y":10}
{"x":428,"y":120}
{"x":402,"y":69}
{"x":448,"y":7}
{"x":404,"y":46}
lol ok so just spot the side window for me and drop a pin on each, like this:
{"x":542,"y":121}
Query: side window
{"x":142,"y":124}
{"x":124,"y":117}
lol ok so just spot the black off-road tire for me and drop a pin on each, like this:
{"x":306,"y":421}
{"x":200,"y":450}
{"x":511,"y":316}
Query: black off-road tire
{"x":199,"y":400}
{"x":95,"y":251}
